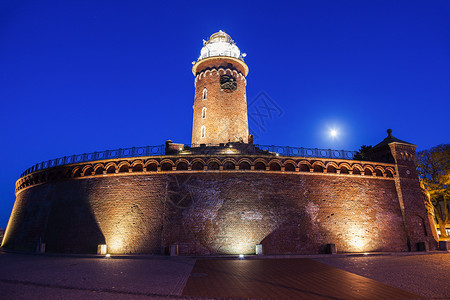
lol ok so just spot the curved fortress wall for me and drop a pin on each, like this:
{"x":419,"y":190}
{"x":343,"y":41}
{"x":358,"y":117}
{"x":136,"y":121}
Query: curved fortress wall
{"x":124,"y":212}
{"x":220,"y":211}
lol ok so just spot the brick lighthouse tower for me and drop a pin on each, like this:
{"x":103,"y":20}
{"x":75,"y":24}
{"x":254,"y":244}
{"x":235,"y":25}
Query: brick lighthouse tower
{"x":220,"y":104}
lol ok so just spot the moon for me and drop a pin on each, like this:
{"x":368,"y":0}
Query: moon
{"x":333,"y":132}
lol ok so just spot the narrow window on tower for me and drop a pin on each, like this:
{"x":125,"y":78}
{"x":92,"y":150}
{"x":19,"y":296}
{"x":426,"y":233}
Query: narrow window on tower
{"x":203,"y":131}
{"x":205,"y":93}
{"x":204,"y":113}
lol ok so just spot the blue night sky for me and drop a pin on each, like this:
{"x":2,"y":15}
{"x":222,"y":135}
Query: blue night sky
{"x":84,"y":76}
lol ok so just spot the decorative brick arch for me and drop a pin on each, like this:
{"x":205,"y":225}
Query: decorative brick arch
{"x":357,"y":169}
{"x":275,"y":164}
{"x":111,"y":168}
{"x":150,"y":162}
{"x":137,"y":166}
{"x":213,"y":160}
{"x":197,"y":159}
{"x":229,"y":164}
{"x":198,"y":164}
{"x":370,"y":168}
{"x":261,"y":160}
{"x":318,"y":166}
{"x":289,"y":165}
{"x":346,"y":165}
{"x":137,"y":162}
{"x":123,"y":167}
{"x":76,"y":172}
{"x":304,"y":166}
{"x":88,"y":169}
{"x":182,"y":160}
{"x":213,"y":164}
{"x":165,"y":163}
{"x":390,"y":172}
{"x":379,"y":171}
{"x":99,"y":168}
{"x":260,"y":164}
{"x":182,"y":164}
{"x":229,"y":160}
{"x":289,"y":161}
{"x":345,"y":168}
{"x":244,"y":164}
{"x":332,"y":167}
{"x":304,"y":162}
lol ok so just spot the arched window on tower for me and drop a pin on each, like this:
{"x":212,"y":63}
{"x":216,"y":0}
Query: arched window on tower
{"x":205,"y":94}
{"x":204,"y":113}
{"x":203,"y":134}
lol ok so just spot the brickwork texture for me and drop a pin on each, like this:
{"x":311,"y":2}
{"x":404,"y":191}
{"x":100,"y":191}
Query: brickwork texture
{"x":219,"y":212}
{"x":221,"y":112}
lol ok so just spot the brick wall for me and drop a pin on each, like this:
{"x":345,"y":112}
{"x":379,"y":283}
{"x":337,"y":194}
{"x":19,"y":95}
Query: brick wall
{"x":226,"y":111}
{"x":126,"y":212}
{"x":214,"y":212}
{"x":417,"y":221}
{"x":231,"y":213}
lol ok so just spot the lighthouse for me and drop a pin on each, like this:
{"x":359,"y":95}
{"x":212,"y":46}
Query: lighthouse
{"x":220,"y":101}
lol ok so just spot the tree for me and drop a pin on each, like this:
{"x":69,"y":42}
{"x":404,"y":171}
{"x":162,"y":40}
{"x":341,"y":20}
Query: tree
{"x":364,"y":153}
{"x":433,"y":167}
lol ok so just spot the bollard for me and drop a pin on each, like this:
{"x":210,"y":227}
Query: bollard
{"x":174,"y":250}
{"x":259,"y":249}
{"x":443,"y":245}
{"x":101,"y":249}
{"x":422,"y":246}
{"x":331,"y":249}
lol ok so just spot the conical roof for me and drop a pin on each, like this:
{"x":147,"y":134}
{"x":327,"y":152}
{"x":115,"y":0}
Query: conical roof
{"x":390,"y":139}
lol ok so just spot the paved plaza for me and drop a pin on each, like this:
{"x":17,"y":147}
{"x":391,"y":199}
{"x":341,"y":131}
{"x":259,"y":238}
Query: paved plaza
{"x":373,"y":276}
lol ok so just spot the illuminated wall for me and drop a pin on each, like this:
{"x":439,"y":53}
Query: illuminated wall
{"x":230,"y":213}
{"x":218,"y":212}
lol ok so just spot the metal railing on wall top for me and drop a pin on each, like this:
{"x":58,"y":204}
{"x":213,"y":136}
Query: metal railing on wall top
{"x":160,"y":150}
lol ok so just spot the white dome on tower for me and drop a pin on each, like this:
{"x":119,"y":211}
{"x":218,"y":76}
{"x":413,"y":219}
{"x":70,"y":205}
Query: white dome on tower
{"x":220,"y":44}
